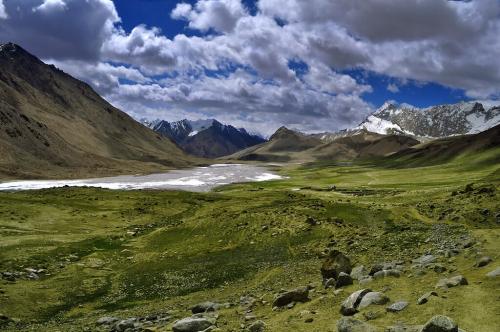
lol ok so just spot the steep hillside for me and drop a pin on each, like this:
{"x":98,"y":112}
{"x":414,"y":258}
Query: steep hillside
{"x":52,"y":125}
{"x":478,"y":148}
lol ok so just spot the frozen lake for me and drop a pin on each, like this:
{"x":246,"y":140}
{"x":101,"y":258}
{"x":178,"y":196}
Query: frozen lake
{"x":194,"y":179}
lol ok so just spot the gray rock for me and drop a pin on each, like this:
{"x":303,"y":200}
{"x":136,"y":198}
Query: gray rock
{"x":365,"y":280}
{"x":257,"y":326}
{"x":300,"y":294}
{"x":107,"y":320}
{"x":204,"y":307}
{"x":125,"y":324}
{"x":397,"y":306}
{"x":329,"y":283}
{"x":350,"y":305}
{"x":359,"y":272}
{"x":425,"y":260}
{"x":404,"y":328}
{"x":425,"y":298}
{"x":438,"y":268}
{"x":494,"y":273}
{"x":373,"y":298}
{"x":440,"y":324}
{"x":452,"y":282}
{"x":387,"y":273}
{"x":335,"y":263}
{"x":349,"y":324}
{"x":192,"y":324}
{"x":344,"y":279}
{"x":483,"y":261}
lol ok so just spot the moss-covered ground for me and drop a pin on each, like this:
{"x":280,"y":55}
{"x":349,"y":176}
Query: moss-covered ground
{"x":136,"y":253}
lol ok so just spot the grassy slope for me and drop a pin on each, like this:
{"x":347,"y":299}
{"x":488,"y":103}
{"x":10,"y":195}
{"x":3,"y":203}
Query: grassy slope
{"x":195,"y":247}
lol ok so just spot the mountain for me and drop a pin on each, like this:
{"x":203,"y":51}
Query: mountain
{"x":206,"y":138}
{"x":433,"y":122}
{"x":481,"y":148}
{"x":53,"y":125}
{"x":287,"y":145}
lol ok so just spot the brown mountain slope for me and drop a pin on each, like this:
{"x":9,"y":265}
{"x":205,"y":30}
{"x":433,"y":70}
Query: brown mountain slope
{"x":287,"y":145}
{"x":446,"y":149}
{"x":52,"y":125}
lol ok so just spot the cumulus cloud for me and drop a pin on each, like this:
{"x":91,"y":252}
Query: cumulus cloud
{"x":62,"y":29}
{"x":3,"y":12}
{"x":220,"y":15}
{"x":239,"y":65}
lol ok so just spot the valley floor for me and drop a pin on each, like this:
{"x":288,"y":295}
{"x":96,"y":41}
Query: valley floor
{"x":71,"y":256}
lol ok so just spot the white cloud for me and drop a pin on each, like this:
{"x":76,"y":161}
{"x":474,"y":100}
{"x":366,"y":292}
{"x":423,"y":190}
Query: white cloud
{"x":220,"y":15}
{"x":3,"y":12}
{"x":392,"y":88}
{"x":454,"y":43}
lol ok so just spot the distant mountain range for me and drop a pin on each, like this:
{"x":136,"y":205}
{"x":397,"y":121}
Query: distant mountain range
{"x":53,"y":125}
{"x":205,"y":138}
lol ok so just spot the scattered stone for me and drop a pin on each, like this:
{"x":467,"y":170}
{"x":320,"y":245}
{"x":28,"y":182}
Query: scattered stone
{"x":386,"y":273}
{"x":371,"y":315}
{"x":300,"y":294}
{"x":373,"y":298}
{"x":349,"y":324}
{"x":439,"y":268}
{"x":359,"y":272}
{"x":452,"y":282}
{"x":404,"y":328}
{"x":329,"y":283}
{"x":397,"y":306}
{"x":192,"y":324}
{"x":257,"y":326}
{"x":365,"y":280}
{"x":311,"y":221}
{"x":205,"y":307}
{"x":125,"y":324}
{"x":107,"y":320}
{"x":309,"y":320}
{"x":350,"y":305}
{"x":483,"y":261}
{"x":494,"y":273}
{"x":440,"y":324}
{"x":425,"y":260}
{"x":425,"y":298}
{"x":344,"y":279}
{"x":335,"y":263}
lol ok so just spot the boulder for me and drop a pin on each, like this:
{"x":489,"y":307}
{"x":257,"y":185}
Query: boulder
{"x":107,"y":320}
{"x":350,"y":305}
{"x":404,"y":328}
{"x":483,"y":261}
{"x":425,"y":298}
{"x":335,"y":263}
{"x":329,"y":283}
{"x":494,"y":273}
{"x":349,"y":324}
{"x":397,"y":306}
{"x":204,"y":307}
{"x":425,"y":260}
{"x":440,"y":324}
{"x":359,"y":272}
{"x":452,"y":282}
{"x":125,"y":324}
{"x":344,"y":279}
{"x":192,"y":324}
{"x":257,"y":326}
{"x":300,"y":294}
{"x":386,"y":273}
{"x":373,"y":298}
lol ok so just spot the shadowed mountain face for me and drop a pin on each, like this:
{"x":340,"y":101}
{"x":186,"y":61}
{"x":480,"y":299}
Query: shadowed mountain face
{"x":288,"y":145}
{"x":206,"y":138}
{"x":52,"y":125}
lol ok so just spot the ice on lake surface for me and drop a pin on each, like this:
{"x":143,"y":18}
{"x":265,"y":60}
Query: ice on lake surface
{"x":195,"y":179}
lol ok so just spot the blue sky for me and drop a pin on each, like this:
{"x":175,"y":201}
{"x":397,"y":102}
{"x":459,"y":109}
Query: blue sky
{"x":316,"y":65}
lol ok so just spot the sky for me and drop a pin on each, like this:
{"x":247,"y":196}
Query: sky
{"x":315,"y":65}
